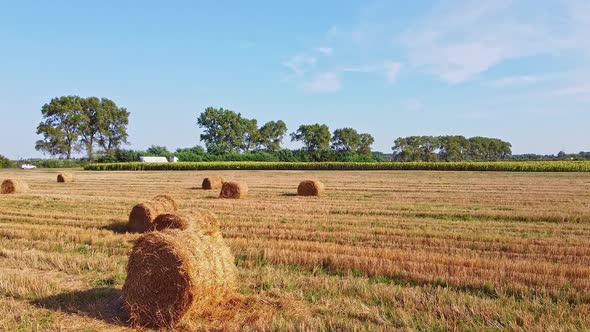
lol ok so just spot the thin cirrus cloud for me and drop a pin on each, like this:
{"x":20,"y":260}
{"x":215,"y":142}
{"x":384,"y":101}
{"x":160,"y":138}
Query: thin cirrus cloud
{"x":511,"y":81}
{"x":454,"y":42}
{"x":300,"y":64}
{"x":412,"y":104}
{"x":326,"y":51}
{"x":330,"y":82}
{"x":463,"y":39}
{"x":304,"y":68}
{"x":390,"y":69}
{"x":326,"y":82}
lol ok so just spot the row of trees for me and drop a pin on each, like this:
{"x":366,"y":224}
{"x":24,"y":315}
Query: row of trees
{"x":450,"y":148}
{"x":72,"y":124}
{"x":225,"y":131}
{"x":562,"y":155}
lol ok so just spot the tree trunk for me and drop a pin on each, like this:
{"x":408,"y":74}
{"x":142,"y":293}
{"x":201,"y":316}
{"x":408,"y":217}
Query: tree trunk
{"x":90,"y":150}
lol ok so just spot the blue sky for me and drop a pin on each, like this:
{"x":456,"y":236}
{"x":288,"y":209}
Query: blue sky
{"x":516,"y":70}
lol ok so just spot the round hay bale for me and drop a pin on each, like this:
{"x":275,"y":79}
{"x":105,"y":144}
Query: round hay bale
{"x":195,"y":220}
{"x":143,"y":214}
{"x":12,"y":186}
{"x":65,"y":177}
{"x":310,"y":188}
{"x":235,"y":190}
{"x":214,"y":182}
{"x":175,"y":274}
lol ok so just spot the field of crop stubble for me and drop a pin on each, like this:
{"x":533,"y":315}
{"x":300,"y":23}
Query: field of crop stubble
{"x":381,"y":250}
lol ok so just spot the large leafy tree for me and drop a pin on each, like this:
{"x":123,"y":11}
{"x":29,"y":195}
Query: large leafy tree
{"x":271,"y":135}
{"x":365,"y":143}
{"x":112,"y":122}
{"x":250,"y":134}
{"x":345,"y":140}
{"x":223,"y":130}
{"x":315,"y":137}
{"x":62,"y":119}
{"x":89,"y":124}
{"x":71,"y":123}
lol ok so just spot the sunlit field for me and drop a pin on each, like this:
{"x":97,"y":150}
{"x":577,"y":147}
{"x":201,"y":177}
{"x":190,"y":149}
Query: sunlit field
{"x":382,"y":250}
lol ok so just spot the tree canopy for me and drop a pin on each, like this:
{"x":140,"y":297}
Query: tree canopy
{"x":315,"y":138}
{"x":225,"y":131}
{"x":73,"y":123}
{"x":271,"y":135}
{"x":450,"y":148}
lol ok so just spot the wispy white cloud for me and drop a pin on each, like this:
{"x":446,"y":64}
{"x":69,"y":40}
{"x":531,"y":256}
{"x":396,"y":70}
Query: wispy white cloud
{"x":463,"y":39}
{"x":389,"y":68}
{"x":324,"y":50}
{"x":324,"y":82}
{"x":299,"y":64}
{"x":412,"y":104}
{"x":511,"y":81}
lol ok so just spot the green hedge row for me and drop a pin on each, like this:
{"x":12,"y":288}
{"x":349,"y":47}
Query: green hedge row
{"x":512,"y":166}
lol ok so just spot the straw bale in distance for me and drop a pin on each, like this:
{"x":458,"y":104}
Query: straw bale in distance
{"x":214,"y":182}
{"x":195,"y":220}
{"x":65,"y":177}
{"x":310,"y":188}
{"x":11,"y":186}
{"x":143,"y":214}
{"x":175,"y":274}
{"x":233,"y":189}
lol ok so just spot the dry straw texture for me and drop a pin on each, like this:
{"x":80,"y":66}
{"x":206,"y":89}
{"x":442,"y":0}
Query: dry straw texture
{"x":11,"y":186}
{"x":65,"y":177}
{"x":234,"y":190}
{"x":143,"y":214}
{"x":214,"y":182}
{"x":310,"y":188}
{"x":174,"y":275}
{"x":198,"y":219}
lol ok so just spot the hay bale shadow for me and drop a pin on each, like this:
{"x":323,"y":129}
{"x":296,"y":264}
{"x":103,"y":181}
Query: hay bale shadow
{"x":104,"y":303}
{"x":289,"y":194}
{"x":197,"y":188}
{"x":119,"y":227}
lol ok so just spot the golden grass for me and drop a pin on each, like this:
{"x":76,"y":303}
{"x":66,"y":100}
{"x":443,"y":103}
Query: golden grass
{"x":385,"y":250}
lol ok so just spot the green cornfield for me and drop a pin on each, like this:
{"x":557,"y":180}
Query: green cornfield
{"x":510,"y":166}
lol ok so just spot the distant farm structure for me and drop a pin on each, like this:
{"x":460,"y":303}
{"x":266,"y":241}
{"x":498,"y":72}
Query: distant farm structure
{"x":153,"y":159}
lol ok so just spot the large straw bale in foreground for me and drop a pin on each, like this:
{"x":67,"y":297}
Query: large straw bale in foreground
{"x":234,"y":190}
{"x":143,"y":214}
{"x":310,"y":188}
{"x":174,"y":274}
{"x":65,"y":177}
{"x":214,"y":182}
{"x":197,"y":219}
{"x":12,"y":186}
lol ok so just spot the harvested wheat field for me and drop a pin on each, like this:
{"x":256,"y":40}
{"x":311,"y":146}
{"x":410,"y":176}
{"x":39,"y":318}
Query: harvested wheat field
{"x":382,"y":250}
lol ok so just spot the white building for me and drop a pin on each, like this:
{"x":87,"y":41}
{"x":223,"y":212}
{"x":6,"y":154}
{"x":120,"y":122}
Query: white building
{"x":153,"y":159}
{"x":173,"y":159}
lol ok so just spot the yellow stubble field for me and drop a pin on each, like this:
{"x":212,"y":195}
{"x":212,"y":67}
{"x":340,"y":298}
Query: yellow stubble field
{"x":382,"y":250}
